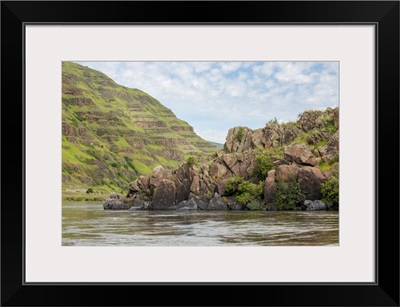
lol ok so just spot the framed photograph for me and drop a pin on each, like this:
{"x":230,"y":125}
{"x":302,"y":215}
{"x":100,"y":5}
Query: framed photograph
{"x":200,"y":153}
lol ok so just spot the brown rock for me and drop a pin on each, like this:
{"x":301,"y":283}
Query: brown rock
{"x":334,"y":141}
{"x":336,"y":116}
{"x":279,"y":162}
{"x":273,"y":135}
{"x":286,"y":172}
{"x":222,"y":187}
{"x":310,"y":179}
{"x":257,"y":138}
{"x":182,"y":190}
{"x":238,"y":139}
{"x":299,"y":154}
{"x":164,"y":195}
{"x":159,"y":174}
{"x":270,"y":187}
{"x":308,"y":120}
{"x":218,"y":170}
{"x":195,"y":186}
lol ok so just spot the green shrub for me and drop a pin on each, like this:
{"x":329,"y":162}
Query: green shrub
{"x":114,"y":164}
{"x":90,"y":190}
{"x":190,"y":161}
{"x":256,"y":205}
{"x":288,"y":194}
{"x":334,"y":160}
{"x":232,"y":184}
{"x":330,"y":190}
{"x":272,"y":121}
{"x":246,"y":191}
{"x":331,"y":128}
{"x":129,"y":163}
{"x":263,"y":165}
{"x":240,"y":134}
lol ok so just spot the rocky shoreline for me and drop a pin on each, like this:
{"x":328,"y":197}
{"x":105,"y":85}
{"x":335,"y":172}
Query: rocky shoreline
{"x":116,"y":202}
{"x":290,"y":166}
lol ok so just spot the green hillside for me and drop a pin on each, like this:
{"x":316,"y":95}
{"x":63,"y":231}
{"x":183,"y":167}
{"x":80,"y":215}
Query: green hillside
{"x":111,"y":134}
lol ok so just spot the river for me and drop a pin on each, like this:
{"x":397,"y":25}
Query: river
{"x":88,"y":224}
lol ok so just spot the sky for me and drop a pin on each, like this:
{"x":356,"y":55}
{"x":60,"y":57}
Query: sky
{"x":216,"y":96}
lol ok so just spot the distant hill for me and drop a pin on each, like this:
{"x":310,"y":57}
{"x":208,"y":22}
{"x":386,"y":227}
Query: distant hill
{"x":111,"y":134}
{"x":218,"y":145}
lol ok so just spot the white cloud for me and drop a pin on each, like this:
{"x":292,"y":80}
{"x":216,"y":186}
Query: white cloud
{"x":216,"y":96}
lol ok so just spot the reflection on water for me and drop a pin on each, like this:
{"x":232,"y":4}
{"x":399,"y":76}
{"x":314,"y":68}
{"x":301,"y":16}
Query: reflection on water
{"x":87,"y":224}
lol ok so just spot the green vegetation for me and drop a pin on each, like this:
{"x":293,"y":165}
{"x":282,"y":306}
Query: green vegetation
{"x":240,"y":134}
{"x":232,"y":184}
{"x":330,"y":190}
{"x":190,"y":161}
{"x":272,"y":121}
{"x":288,"y":194}
{"x":111,"y":134}
{"x":263,"y":165}
{"x":90,"y":190}
{"x":247,"y":193}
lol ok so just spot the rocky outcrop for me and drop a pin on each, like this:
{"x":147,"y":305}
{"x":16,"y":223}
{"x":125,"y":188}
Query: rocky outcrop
{"x":114,"y":202}
{"x":216,"y":203}
{"x":202,"y":185}
{"x":164,"y":197}
{"x":310,"y":179}
{"x":274,"y":135}
{"x":300,"y":154}
{"x":239,"y":139}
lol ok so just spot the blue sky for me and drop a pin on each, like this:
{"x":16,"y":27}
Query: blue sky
{"x":216,"y":96}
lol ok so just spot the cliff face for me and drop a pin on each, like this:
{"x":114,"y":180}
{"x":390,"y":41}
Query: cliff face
{"x":276,"y":165}
{"x":111,"y":134}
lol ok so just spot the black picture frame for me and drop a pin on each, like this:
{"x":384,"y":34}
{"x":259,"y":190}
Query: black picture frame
{"x":383,"y":14}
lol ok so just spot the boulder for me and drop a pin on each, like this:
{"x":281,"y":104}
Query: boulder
{"x":159,"y":174}
{"x":310,"y":179}
{"x":164,"y":197}
{"x":313,"y":205}
{"x":270,"y":187}
{"x":300,"y":154}
{"x":115,"y":204}
{"x":202,"y":204}
{"x":279,"y":162}
{"x":191,"y":204}
{"x":216,"y":203}
{"x":287,"y":172}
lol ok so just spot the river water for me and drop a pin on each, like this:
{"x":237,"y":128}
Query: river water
{"x":88,"y":224}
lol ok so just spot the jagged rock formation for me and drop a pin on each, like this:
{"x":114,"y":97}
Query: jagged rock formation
{"x":304,"y":153}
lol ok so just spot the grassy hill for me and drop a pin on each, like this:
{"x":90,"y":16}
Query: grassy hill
{"x":111,"y":134}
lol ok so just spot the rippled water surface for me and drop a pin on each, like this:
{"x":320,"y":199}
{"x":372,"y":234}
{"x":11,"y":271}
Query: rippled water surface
{"x":87,"y":224}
